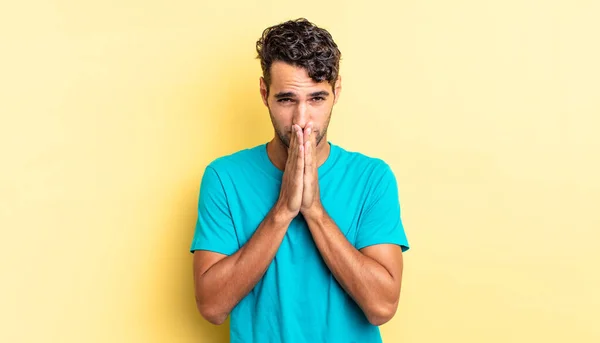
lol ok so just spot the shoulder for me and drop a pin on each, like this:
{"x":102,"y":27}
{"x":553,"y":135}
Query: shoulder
{"x":235,"y":161}
{"x":221,"y":172}
{"x":362,"y":163}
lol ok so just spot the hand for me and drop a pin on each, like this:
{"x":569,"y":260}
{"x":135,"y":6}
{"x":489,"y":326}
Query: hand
{"x":311,"y":199}
{"x":290,"y":195}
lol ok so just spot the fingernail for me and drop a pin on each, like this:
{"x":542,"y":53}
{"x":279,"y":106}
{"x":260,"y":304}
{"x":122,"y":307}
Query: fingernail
{"x":308,"y":130}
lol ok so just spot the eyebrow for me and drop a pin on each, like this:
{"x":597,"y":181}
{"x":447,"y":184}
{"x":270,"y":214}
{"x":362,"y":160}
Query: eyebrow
{"x":284,"y":95}
{"x":319,"y":93}
{"x":281,"y":95}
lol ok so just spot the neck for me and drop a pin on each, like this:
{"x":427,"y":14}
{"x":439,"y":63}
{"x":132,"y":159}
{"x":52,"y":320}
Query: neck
{"x":278,"y":152}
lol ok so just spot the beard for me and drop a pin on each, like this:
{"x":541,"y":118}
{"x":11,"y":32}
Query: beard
{"x":285,"y":134}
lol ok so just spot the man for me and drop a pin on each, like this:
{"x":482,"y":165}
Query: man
{"x":298,"y":239}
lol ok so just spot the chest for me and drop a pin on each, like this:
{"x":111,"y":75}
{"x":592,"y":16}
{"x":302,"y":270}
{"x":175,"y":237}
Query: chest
{"x":250,"y":202}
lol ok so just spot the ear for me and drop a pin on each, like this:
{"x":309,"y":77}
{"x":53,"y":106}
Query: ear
{"x":263,"y":91}
{"x":337,"y":89}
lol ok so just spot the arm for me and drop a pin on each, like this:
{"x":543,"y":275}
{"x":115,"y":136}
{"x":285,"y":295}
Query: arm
{"x":221,"y":281}
{"x":372,"y":276}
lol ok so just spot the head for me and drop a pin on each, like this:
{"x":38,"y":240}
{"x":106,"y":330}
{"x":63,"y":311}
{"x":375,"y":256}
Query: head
{"x":300,"y":82}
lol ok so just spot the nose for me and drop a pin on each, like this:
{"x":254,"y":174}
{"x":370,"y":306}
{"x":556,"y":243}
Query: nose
{"x":300,"y":117}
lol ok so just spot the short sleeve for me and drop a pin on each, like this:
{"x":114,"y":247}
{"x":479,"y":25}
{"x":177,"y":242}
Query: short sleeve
{"x":214,"y":227}
{"x":381,"y":221}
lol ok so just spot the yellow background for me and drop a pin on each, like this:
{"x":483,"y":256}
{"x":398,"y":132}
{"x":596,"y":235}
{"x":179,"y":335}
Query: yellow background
{"x":488,"y":112}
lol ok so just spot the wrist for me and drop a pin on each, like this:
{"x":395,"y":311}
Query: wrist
{"x":314,"y":213}
{"x":281,"y":215}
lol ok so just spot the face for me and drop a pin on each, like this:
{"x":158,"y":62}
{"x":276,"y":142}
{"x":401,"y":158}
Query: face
{"x":294,"y":98}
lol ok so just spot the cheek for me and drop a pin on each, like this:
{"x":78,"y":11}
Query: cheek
{"x":282,"y":120}
{"x":320,"y":115}
{"x":283,"y":110}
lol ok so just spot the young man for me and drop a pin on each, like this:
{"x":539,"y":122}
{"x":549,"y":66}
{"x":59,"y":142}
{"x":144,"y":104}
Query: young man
{"x":298,"y":239}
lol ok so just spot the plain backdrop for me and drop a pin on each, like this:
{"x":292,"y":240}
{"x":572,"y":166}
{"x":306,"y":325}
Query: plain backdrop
{"x":487,"y":111}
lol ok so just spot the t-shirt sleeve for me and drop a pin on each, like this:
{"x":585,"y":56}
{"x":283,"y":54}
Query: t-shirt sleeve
{"x":380,"y":221}
{"x":214,"y":230}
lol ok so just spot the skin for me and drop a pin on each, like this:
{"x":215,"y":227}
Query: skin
{"x":300,"y":110}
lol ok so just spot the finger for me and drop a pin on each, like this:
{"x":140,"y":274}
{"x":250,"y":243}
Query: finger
{"x":307,"y":130}
{"x":293,"y":148}
{"x":300,"y":160}
{"x":308,"y":152}
{"x":293,"y":137}
{"x":300,"y":136}
{"x":315,"y":164}
{"x":296,"y":147}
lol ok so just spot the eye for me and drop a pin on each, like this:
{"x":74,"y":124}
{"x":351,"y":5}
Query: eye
{"x":284,"y":100}
{"x":318,"y":98}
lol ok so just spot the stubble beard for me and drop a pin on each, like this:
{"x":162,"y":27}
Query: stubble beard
{"x":285,"y":135}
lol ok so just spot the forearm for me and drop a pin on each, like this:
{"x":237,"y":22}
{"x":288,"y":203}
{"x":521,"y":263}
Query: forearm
{"x":368,"y":282}
{"x":222,"y":286}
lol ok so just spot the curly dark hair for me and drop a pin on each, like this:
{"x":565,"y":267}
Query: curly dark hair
{"x":301,"y":43}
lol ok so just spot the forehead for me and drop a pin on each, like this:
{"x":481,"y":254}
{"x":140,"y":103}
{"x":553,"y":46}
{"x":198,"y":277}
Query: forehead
{"x":287,"y":77}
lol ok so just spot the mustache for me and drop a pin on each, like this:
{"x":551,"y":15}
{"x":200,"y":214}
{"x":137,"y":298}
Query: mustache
{"x":289,"y":132}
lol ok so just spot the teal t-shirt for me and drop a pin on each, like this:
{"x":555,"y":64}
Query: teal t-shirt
{"x":298,"y":299}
